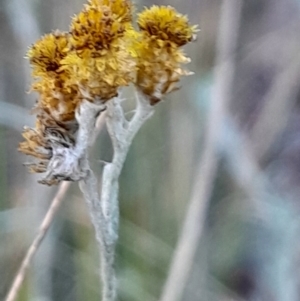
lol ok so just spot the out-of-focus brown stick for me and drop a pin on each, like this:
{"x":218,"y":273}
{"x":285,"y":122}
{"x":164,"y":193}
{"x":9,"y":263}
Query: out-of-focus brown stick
{"x":43,"y":229}
{"x":184,"y":254}
{"x":55,"y":204}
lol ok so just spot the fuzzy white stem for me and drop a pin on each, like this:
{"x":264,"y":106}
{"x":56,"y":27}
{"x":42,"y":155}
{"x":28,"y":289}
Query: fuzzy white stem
{"x":89,"y":189}
{"x":86,"y":116}
{"x":122,"y":134}
{"x":104,"y":211}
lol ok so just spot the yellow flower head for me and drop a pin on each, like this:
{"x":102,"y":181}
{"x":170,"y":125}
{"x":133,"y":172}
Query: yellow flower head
{"x":99,"y":61}
{"x":165,"y":23}
{"x":45,"y":55}
{"x":159,"y":59}
{"x":101,"y":76}
{"x":93,"y":30}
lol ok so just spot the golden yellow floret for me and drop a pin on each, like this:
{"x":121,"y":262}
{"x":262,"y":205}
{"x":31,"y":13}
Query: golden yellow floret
{"x":165,"y":23}
{"x":101,"y":76}
{"x":55,"y":96}
{"x":159,"y":68}
{"x":45,"y":55}
{"x":157,"y":50}
{"x":93,"y":30}
{"x":99,"y":61}
{"x":60,"y":106}
{"x":121,"y":9}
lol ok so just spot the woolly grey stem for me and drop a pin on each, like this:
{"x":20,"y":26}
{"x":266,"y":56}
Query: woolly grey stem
{"x":86,"y":117}
{"x":122,"y":133}
{"x":90,"y":192}
{"x":104,"y":211}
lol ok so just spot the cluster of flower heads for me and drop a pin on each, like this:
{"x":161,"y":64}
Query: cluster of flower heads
{"x":101,"y":53}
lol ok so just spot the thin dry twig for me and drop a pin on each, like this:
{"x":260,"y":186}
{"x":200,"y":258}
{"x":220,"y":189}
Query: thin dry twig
{"x":194,"y":221}
{"x":55,"y":204}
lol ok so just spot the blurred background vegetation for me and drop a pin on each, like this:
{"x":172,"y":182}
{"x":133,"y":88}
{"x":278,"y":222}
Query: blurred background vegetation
{"x":249,"y":246}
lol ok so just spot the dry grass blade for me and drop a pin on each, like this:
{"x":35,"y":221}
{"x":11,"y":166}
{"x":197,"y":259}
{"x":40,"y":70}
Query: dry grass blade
{"x":194,"y":221}
{"x":55,"y":204}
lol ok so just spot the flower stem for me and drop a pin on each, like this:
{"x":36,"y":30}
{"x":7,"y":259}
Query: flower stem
{"x":104,"y":210}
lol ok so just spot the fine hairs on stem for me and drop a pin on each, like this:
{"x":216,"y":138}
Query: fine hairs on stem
{"x":104,"y":210}
{"x":78,"y":75}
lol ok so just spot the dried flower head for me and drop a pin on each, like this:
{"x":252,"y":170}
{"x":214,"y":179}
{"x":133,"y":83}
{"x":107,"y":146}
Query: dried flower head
{"x":56,"y":97}
{"x":41,"y":140}
{"x":93,"y":30}
{"x":99,"y":60}
{"x":35,"y":144}
{"x":45,"y":55}
{"x":159,"y":59}
{"x":165,"y":23}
